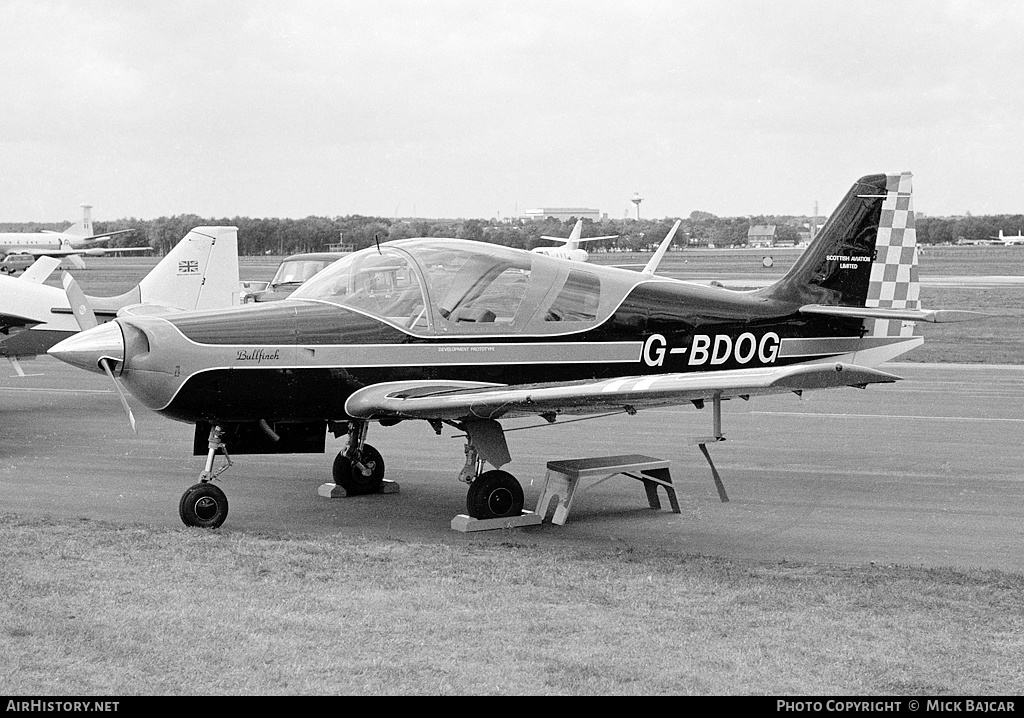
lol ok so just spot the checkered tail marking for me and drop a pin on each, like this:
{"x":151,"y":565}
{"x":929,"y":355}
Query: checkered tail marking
{"x":893,"y":283}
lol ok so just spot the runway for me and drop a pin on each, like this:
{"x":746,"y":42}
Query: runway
{"x":927,"y":471}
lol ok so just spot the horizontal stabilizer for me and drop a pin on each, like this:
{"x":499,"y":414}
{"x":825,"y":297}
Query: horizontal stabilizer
{"x":938,"y":316}
{"x":446,"y":400}
{"x":105,"y":235}
{"x":92,"y":238}
{"x":578,"y":239}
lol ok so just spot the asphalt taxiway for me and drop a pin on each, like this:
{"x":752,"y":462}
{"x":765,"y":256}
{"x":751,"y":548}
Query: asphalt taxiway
{"x":928,"y":471}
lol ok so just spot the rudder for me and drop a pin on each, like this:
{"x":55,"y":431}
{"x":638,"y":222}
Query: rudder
{"x":894,"y":280}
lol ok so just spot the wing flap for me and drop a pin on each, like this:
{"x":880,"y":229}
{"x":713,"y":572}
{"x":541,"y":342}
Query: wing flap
{"x":466,"y":400}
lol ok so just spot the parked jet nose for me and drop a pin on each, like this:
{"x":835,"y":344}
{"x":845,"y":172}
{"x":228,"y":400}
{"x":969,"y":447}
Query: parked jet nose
{"x":86,"y":349}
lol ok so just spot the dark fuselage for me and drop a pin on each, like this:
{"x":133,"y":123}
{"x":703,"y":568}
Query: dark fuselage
{"x":300,"y":360}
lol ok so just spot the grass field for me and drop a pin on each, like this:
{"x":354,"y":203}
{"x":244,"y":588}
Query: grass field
{"x":94,"y":609}
{"x":97,"y":609}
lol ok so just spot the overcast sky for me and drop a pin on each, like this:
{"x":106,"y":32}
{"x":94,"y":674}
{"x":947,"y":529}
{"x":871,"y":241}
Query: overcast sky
{"x":450,"y":108}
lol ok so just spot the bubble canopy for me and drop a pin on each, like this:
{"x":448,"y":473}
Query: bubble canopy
{"x":453,"y":286}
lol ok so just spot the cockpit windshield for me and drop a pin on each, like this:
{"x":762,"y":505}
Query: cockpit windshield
{"x":381,"y":283}
{"x":445,"y":286}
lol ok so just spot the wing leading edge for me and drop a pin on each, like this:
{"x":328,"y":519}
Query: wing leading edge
{"x":468,"y":400}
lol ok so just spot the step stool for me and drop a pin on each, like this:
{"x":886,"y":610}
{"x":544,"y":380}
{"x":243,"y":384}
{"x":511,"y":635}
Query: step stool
{"x":564,"y":475}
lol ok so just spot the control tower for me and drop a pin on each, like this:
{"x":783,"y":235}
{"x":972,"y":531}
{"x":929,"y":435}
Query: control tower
{"x":637,"y":199}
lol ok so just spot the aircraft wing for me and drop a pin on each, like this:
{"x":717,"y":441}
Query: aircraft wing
{"x":43,"y":252}
{"x":460,"y":401}
{"x":9,"y":320}
{"x":82,"y":251}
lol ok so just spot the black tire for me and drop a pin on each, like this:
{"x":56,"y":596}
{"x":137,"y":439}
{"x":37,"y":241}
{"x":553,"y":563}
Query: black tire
{"x":352,"y":480}
{"x":203,"y":505}
{"x":494,"y":495}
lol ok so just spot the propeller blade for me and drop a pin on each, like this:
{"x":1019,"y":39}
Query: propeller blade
{"x":105,"y":363}
{"x":79,"y":303}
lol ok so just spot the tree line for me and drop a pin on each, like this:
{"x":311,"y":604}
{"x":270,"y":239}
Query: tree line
{"x":315,"y":234}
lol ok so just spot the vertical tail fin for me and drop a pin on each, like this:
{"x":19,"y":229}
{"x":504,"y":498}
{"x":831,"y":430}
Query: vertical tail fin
{"x":82,"y":228}
{"x":201,"y":272}
{"x":87,"y":220}
{"x":573,"y":242}
{"x":864,"y":256}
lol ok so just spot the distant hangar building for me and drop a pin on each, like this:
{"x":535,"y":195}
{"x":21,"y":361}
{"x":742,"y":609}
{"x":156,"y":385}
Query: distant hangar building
{"x":563,"y":213}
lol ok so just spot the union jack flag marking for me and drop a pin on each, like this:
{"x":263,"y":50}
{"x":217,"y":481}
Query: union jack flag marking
{"x":188,"y":266}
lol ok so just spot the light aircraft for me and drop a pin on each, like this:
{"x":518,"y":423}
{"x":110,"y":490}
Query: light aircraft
{"x":570,"y":248}
{"x":470,"y":334}
{"x":200,"y":272}
{"x":19,"y":249}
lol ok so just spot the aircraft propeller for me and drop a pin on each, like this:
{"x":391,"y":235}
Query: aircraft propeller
{"x":105,"y":363}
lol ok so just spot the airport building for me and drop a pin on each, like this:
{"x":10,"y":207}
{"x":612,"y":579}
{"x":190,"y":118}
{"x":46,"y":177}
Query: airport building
{"x":563,"y":213}
{"x":761,"y":235}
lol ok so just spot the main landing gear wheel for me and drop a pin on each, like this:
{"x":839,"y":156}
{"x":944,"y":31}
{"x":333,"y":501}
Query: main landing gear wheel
{"x":349,"y":477}
{"x":494,"y":495}
{"x":203,"y":505}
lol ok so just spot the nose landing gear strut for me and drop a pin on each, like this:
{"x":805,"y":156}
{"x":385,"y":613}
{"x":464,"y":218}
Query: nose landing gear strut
{"x":203,"y":504}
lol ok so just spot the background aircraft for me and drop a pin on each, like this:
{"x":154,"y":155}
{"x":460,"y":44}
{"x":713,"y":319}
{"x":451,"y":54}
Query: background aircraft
{"x":471,"y":334}
{"x":1012,"y":239}
{"x":19,"y":249}
{"x":200,"y":272}
{"x":570,"y":248}
{"x":1000,"y":241}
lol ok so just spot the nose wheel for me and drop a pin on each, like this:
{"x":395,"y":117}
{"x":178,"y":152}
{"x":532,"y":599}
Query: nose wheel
{"x":204,"y":506}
